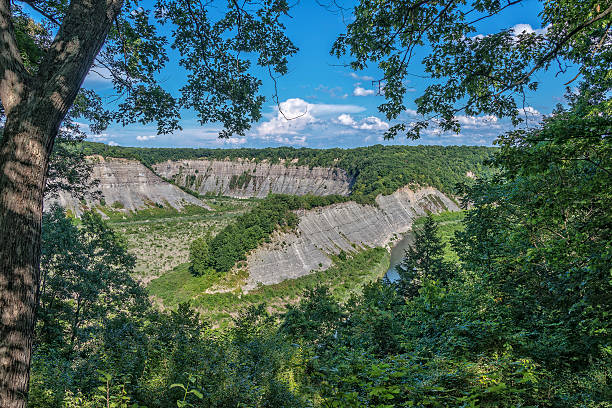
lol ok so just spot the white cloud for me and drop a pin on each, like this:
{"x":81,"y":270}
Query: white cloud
{"x":235,"y":140}
{"x":373,"y":123}
{"x":361,"y":77}
{"x":527,"y":29}
{"x":112,"y":143}
{"x":145,"y":138}
{"x":99,"y":76}
{"x":517,"y":30}
{"x":346,"y":120}
{"x":477,"y":122}
{"x":412,"y":112}
{"x":295,"y":140}
{"x":296,"y":114}
{"x":529,"y":111}
{"x":102,"y":137}
{"x":369,"y":123}
{"x":359,"y":91}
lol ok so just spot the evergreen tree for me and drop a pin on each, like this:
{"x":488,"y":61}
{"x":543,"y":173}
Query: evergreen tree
{"x":423,"y":260}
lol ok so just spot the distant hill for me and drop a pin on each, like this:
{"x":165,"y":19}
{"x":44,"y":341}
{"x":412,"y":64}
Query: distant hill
{"x":373,"y":170}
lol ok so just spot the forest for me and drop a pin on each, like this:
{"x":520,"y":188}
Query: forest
{"x":520,"y":319}
{"x":519,"y":316}
{"x":376,"y":169}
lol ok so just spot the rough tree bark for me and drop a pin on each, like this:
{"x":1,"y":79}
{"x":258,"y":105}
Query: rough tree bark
{"x":34,"y":105}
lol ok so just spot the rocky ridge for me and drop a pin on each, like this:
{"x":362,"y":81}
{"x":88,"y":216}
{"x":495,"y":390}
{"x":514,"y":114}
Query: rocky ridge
{"x":127,"y":185}
{"x":246,"y":178}
{"x":346,"y":226}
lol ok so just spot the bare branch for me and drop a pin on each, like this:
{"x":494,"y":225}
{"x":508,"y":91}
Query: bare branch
{"x":510,"y":3}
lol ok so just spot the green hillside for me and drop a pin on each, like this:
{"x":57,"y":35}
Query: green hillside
{"x":377,"y":169}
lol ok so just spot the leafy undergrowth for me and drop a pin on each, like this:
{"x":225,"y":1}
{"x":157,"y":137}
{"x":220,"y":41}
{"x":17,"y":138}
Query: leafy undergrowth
{"x":344,"y":278}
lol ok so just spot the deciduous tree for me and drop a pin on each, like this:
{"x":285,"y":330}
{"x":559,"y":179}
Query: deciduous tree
{"x":41,"y":73}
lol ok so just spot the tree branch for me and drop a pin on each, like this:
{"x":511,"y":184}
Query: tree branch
{"x":556,"y":49}
{"x":71,"y":55}
{"x":42,"y":12}
{"x":13,"y":75}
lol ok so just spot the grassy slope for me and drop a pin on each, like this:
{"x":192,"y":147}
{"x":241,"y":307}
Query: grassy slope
{"x":344,"y":277}
{"x":160,"y":238}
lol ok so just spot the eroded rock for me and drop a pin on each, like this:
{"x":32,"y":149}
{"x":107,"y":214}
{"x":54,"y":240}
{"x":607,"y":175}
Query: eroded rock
{"x":345,"y":226}
{"x":247,"y":178}
{"x":127,"y":185}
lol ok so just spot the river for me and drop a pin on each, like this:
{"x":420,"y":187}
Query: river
{"x":397,"y":254}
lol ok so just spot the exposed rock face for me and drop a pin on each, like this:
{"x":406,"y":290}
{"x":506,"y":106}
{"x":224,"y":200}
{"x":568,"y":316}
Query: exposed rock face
{"x":345,"y":226}
{"x":131,"y":184}
{"x":245,"y":178}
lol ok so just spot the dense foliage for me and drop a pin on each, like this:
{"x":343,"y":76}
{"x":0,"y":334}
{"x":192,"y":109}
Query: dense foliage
{"x":522,"y":319}
{"x":376,"y":169}
{"x":232,"y":244}
{"x":470,"y":66}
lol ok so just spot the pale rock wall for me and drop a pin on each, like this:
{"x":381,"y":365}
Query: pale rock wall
{"x":263,"y":178}
{"x":130,"y":183}
{"x":344,"y":226}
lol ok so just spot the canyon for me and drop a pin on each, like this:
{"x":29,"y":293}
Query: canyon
{"x":348,"y":227}
{"x":127,"y":185}
{"x":247,"y":178}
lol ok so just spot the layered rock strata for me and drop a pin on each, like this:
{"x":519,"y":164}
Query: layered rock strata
{"x":127,"y":185}
{"x":345,"y":226}
{"x":246,"y":178}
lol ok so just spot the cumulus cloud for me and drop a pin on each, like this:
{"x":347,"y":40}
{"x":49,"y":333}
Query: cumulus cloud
{"x":529,"y":111}
{"x":234,"y":140}
{"x":360,"y":91}
{"x":361,"y":77}
{"x":527,"y":29}
{"x":112,"y":143}
{"x":145,"y":138}
{"x":102,"y":137}
{"x":295,"y":115}
{"x":477,"y":122}
{"x":346,"y":120}
{"x":295,"y":140}
{"x":373,"y":123}
{"x":369,"y":123}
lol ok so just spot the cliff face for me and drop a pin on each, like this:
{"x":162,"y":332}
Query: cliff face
{"x":244,"y":178}
{"x":130,"y":184}
{"x":345,"y":226}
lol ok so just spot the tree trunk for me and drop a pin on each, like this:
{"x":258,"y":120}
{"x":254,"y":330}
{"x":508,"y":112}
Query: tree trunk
{"x":34,"y":106}
{"x":23,"y":165}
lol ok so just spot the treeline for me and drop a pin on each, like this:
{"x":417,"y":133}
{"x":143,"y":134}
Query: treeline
{"x":232,"y":244}
{"x":376,"y":169}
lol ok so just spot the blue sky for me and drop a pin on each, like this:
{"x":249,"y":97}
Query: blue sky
{"x":333,"y":106}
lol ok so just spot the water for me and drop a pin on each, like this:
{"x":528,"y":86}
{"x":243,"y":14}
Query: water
{"x":397,"y":254}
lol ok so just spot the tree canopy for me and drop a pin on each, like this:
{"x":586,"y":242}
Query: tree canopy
{"x":467,"y":70}
{"x":526,"y":322}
